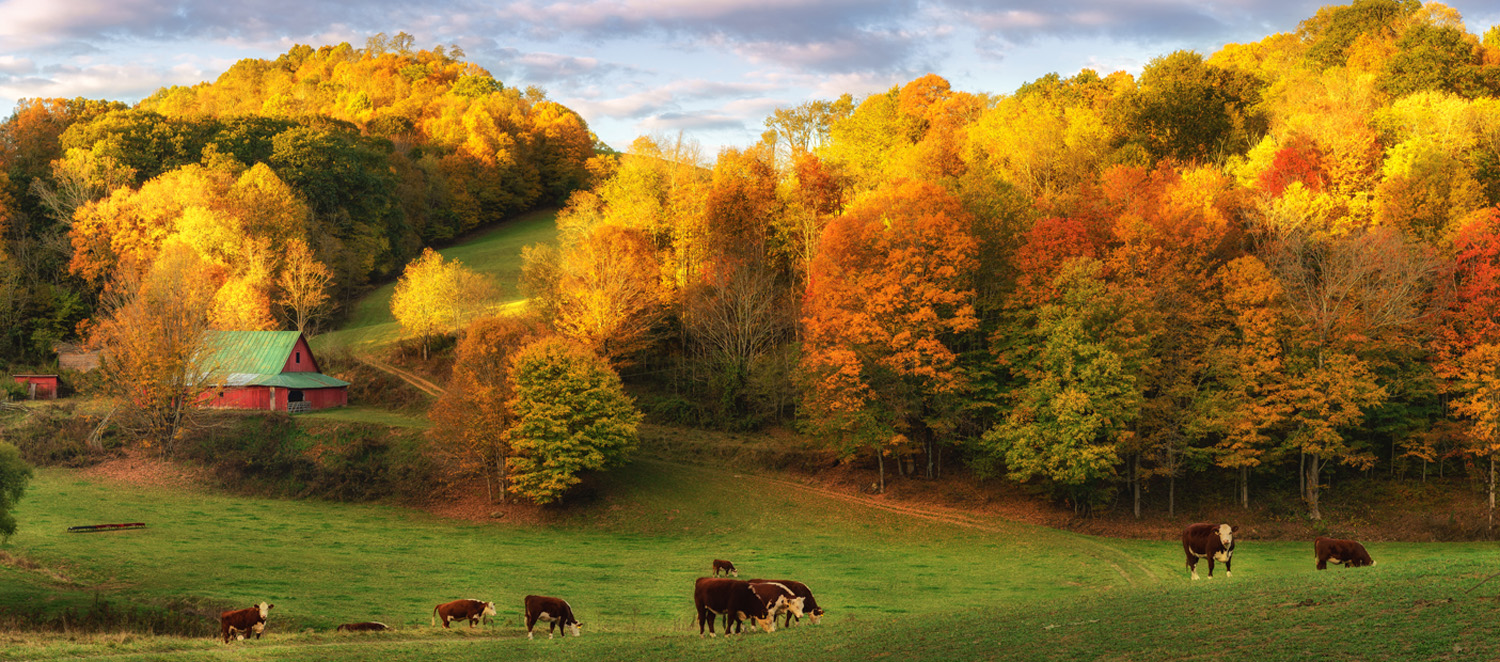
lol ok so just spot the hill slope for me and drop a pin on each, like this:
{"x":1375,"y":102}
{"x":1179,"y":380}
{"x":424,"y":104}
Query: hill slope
{"x":893,"y":583}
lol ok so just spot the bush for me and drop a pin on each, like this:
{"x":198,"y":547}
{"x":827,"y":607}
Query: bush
{"x":56,"y":436}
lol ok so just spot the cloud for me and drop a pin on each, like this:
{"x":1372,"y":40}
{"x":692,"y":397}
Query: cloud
{"x":692,"y":121}
{"x":108,"y":81}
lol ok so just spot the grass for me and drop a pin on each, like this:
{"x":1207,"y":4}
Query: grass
{"x":368,"y":415}
{"x":895,"y":586}
{"x":495,"y":252}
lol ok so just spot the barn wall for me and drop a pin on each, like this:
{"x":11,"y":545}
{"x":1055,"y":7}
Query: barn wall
{"x":46,"y":385}
{"x":324,"y":398}
{"x":301,"y":350}
{"x":241,"y":397}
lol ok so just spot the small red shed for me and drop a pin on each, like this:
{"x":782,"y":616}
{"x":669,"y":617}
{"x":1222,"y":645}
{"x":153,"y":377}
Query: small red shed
{"x":38,"y":387}
{"x":270,"y":370}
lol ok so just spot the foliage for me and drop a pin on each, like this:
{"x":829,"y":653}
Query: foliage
{"x":435,"y":297}
{"x":571,"y":417}
{"x":15,"y":473}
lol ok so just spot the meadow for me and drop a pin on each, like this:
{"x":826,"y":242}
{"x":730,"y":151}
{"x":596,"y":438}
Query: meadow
{"x":494,"y":251}
{"x":895,"y":585}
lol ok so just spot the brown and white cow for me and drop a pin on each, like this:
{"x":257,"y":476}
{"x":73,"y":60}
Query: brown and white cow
{"x":731,"y":597}
{"x":1347,"y":552}
{"x":367,"y":626}
{"x":555,"y":612}
{"x":726,"y":567}
{"x":472,"y":610}
{"x":778,"y":600}
{"x":242,"y":623}
{"x":1214,"y":542}
{"x":810,"y":606}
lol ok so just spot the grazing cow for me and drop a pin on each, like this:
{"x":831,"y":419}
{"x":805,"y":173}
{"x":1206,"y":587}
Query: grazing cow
{"x":1347,"y":552}
{"x":472,"y":610}
{"x":1214,"y":542}
{"x":809,"y":605}
{"x":242,"y":623}
{"x":555,"y":612}
{"x":778,"y":600}
{"x":367,"y":626}
{"x":726,"y":567}
{"x":731,"y":597}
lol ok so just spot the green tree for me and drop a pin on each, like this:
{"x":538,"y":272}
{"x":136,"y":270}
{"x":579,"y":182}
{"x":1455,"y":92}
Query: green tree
{"x":572,"y":416}
{"x":1187,"y":109}
{"x":14,"y":474}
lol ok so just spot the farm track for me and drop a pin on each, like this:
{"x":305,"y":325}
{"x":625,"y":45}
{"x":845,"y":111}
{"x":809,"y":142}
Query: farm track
{"x":409,"y":377}
{"x":929,"y":513}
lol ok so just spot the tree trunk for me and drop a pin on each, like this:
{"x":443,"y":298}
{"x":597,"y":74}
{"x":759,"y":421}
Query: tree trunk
{"x":1245,"y":487}
{"x":1312,"y":488}
{"x":1424,"y":472}
{"x":1490,"y":528}
{"x":929,"y":454}
{"x":504,"y":479}
{"x":880,"y":462}
{"x":1135,"y":483}
{"x":1172,"y":496}
{"x":1302,"y":477}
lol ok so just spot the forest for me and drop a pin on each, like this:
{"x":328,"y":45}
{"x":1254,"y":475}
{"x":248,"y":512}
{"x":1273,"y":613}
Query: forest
{"x":1271,"y":264}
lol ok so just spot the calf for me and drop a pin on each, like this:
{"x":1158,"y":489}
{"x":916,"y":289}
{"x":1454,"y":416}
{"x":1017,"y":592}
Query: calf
{"x":727,"y":567}
{"x":809,"y":605}
{"x":367,"y":626}
{"x":472,"y":610}
{"x":732,"y":598}
{"x":1347,"y":552}
{"x":555,"y":612}
{"x":242,"y":623}
{"x":1214,"y":542}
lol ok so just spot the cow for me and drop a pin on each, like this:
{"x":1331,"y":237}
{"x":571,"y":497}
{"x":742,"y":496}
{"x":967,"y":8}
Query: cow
{"x":367,"y":626}
{"x":556,"y":612}
{"x":1214,"y":542}
{"x":778,"y":600}
{"x":731,"y":597}
{"x":1347,"y":552}
{"x":472,"y":610}
{"x":809,"y":605}
{"x":726,"y":567}
{"x":242,"y":623}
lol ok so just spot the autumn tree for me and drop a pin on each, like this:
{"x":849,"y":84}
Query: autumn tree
{"x":1081,"y":394}
{"x":1468,"y":356}
{"x":435,"y":297}
{"x":602,"y":288}
{"x":890,"y":293}
{"x":571,"y":417}
{"x":474,"y":411}
{"x":158,"y":365}
{"x":304,"y":285}
{"x":1187,"y":109}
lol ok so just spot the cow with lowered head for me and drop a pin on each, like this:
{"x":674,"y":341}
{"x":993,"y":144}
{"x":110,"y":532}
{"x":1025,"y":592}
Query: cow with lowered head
{"x":720,"y":565}
{"x":555,"y":612}
{"x":242,"y":623}
{"x":810,"y":606}
{"x":459,"y":610}
{"x":1347,"y":552}
{"x":1214,"y":542}
{"x":731,"y":597}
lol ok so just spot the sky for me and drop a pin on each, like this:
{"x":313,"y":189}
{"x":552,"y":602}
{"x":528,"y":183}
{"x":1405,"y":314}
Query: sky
{"x":711,"y":69}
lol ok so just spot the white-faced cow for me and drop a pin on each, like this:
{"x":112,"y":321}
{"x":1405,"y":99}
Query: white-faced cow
{"x":810,"y":606}
{"x":242,"y":623}
{"x":472,"y":610}
{"x":1214,"y":542}
{"x":778,"y":600}
{"x":732,"y":598}
{"x":720,"y":565}
{"x":1347,"y":552}
{"x":367,"y":626}
{"x":555,"y":612}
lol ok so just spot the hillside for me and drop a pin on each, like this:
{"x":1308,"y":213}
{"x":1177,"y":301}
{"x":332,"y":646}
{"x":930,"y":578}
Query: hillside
{"x":894,"y":584}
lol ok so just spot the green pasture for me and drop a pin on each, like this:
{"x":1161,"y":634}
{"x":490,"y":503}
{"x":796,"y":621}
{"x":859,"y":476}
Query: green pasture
{"x":894,"y":585}
{"x":495,"y":252}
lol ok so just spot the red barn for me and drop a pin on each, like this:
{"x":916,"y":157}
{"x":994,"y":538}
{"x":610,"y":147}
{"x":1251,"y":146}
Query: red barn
{"x":269,"y":370}
{"x":38,"y":387}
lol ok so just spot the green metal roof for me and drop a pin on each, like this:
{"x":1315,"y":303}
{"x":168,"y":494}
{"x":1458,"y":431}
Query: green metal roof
{"x":255,"y":358}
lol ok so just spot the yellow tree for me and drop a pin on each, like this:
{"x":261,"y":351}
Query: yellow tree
{"x":602,"y":289}
{"x":434,"y":297}
{"x":304,"y":285}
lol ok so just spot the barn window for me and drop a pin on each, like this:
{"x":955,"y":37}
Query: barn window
{"x":299,"y":358}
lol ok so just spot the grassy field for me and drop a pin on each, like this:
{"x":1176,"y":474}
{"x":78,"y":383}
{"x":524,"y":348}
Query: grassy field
{"x":496,"y":252}
{"x":894,"y":584}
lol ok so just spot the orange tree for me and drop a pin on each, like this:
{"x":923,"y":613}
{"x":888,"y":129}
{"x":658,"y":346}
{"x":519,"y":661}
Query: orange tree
{"x":1467,"y":349}
{"x":890,"y":293}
